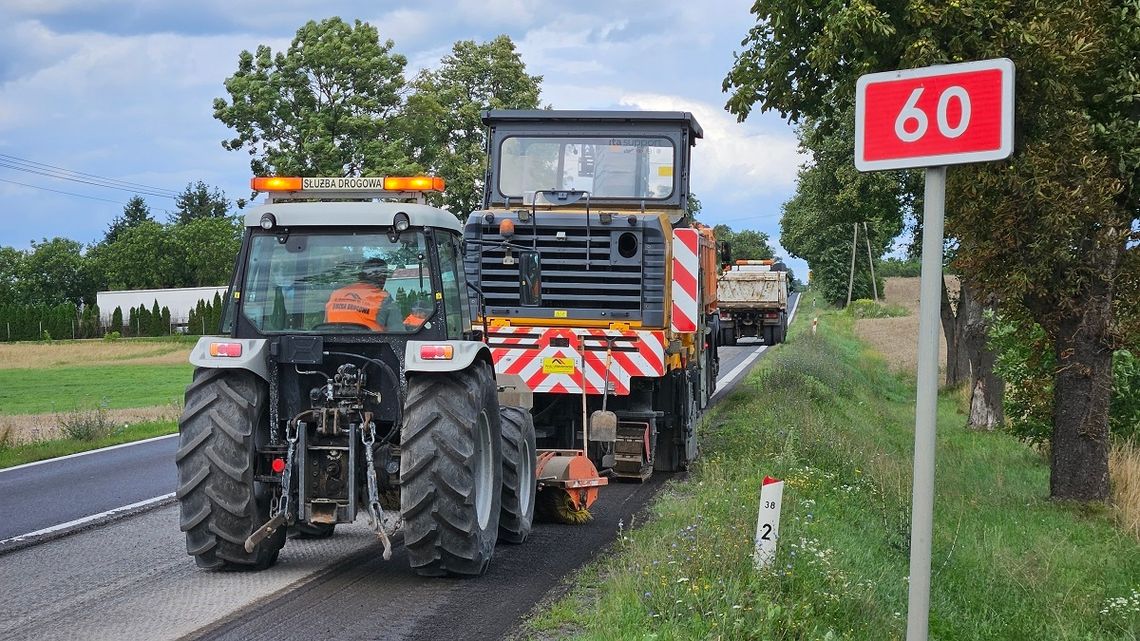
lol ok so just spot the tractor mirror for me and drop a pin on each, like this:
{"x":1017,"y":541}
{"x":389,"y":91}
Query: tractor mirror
{"x":530,"y":279}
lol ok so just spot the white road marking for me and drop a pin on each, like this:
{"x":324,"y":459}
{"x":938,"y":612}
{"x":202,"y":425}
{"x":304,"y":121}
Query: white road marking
{"x":102,"y":449}
{"x":88,"y":519}
{"x":729,"y":377}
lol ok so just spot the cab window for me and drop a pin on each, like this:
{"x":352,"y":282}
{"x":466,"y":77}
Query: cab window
{"x":453,"y":299}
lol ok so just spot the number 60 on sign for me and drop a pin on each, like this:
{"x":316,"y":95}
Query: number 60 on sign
{"x":943,"y":115}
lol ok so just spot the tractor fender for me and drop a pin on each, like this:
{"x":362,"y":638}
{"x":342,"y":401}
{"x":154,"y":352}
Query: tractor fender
{"x":464,"y":353}
{"x":252,"y":356}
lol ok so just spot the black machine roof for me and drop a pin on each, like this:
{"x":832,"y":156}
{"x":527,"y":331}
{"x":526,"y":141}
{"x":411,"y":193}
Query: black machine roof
{"x":494,"y":116}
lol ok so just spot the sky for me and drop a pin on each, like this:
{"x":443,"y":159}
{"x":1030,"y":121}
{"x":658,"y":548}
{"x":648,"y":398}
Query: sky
{"x":123,"y":89}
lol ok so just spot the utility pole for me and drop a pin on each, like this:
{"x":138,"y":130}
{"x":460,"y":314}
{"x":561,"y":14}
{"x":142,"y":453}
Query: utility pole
{"x":871,"y":262}
{"x":851,"y":278}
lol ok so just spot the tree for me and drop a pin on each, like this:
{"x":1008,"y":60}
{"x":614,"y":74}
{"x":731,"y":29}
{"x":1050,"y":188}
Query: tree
{"x":444,"y":115}
{"x":1047,"y":230}
{"x":55,"y":271}
{"x":141,"y":257}
{"x":116,"y":320}
{"x":746,"y":244}
{"x":206,"y":249}
{"x":199,"y":201}
{"x":135,"y":213}
{"x":11,"y":267}
{"x":322,"y":108}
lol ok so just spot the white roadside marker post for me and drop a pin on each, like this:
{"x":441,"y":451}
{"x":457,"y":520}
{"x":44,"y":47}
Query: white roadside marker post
{"x":930,"y":118}
{"x":768,"y":522}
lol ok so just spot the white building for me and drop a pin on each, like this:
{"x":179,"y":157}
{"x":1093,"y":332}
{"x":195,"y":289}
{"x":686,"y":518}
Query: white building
{"x":178,"y":300}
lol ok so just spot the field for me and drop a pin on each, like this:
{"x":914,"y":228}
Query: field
{"x":42,"y":385}
{"x":896,"y":339}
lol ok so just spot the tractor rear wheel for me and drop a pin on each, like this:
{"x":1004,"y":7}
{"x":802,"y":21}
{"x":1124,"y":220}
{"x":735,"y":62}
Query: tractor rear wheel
{"x":222,"y":423}
{"x":451,"y":471}
{"x":517,"y":512}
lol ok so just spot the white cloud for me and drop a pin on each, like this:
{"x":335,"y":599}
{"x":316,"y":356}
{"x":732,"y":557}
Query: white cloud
{"x":505,"y":12}
{"x":735,"y":159}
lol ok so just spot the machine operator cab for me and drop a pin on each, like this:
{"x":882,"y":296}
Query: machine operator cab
{"x":323,"y":257}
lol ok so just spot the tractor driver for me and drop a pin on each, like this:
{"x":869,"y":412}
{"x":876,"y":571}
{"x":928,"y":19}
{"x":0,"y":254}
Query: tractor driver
{"x":366,"y":302}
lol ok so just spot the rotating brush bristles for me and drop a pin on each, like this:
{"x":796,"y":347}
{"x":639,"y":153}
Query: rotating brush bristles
{"x":555,"y":505}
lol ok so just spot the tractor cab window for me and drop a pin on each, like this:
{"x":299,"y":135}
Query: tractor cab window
{"x":607,"y":167}
{"x":331,"y":282}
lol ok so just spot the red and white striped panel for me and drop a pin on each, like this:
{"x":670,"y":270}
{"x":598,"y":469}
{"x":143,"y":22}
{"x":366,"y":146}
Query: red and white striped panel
{"x":528,"y":352}
{"x":685,"y":271}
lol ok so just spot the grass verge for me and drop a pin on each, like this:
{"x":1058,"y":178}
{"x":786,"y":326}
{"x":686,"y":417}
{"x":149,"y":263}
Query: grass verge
{"x":12,"y":455}
{"x":113,"y":386}
{"x":824,"y":413}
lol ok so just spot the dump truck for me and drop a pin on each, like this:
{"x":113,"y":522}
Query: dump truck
{"x":350,"y":380}
{"x":616,"y":345}
{"x":752,"y":300}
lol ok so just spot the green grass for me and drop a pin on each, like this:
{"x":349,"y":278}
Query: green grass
{"x":24,"y":391}
{"x":824,"y":414}
{"x":20,"y":454}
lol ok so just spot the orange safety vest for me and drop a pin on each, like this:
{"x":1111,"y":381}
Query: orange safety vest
{"x":358,"y":303}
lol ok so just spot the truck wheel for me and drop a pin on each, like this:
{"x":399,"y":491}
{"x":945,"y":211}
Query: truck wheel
{"x":220,"y":502}
{"x":451,"y":471}
{"x":517,"y":513}
{"x":728,"y":337}
{"x":781,"y":330}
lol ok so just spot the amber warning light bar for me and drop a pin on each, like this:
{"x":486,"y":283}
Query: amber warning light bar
{"x":350,"y":183}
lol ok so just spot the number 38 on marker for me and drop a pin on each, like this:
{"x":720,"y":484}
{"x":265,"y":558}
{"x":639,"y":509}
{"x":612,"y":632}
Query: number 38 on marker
{"x":944,"y":115}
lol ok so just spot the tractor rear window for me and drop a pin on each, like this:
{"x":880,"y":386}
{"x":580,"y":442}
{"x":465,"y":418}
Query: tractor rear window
{"x":329,"y":282}
{"x":607,"y":167}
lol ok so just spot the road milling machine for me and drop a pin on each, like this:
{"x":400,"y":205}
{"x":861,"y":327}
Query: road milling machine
{"x":614,"y":343}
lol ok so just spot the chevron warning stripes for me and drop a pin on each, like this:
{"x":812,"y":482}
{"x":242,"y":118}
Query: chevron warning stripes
{"x":549,"y":358}
{"x":685,"y":270}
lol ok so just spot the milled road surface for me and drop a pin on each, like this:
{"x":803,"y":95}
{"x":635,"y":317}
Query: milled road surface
{"x":131,"y":579}
{"x":367,"y":598}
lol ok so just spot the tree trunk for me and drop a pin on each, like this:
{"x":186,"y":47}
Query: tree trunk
{"x":1082,"y":390}
{"x":986,"y":389}
{"x":950,"y":331}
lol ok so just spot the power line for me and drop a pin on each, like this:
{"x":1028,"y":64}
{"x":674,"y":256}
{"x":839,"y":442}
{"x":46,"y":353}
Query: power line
{"x":106,"y":200}
{"x":60,"y":173}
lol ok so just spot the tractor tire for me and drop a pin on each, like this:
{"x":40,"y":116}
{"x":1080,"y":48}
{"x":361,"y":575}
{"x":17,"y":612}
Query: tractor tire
{"x":222,"y":423}
{"x":516,"y":514}
{"x":451,"y":471}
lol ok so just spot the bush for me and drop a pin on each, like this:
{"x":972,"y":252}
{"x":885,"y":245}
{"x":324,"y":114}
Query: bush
{"x":895,"y":267}
{"x":87,"y":424}
{"x":867,"y":308}
{"x":1024,"y":359}
{"x":112,"y":336}
{"x":1124,"y":416}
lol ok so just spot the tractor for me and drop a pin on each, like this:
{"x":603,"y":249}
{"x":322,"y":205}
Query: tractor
{"x":349,"y":378}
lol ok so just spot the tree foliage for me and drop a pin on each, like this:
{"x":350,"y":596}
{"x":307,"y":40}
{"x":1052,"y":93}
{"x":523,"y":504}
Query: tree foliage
{"x":747,"y":244}
{"x":135,"y":213}
{"x":1049,"y":229}
{"x":444,"y":116}
{"x":324,"y":107}
{"x":199,"y":201}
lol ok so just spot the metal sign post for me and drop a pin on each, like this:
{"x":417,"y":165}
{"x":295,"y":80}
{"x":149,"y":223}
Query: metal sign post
{"x":931,"y":117}
{"x":926,"y":404}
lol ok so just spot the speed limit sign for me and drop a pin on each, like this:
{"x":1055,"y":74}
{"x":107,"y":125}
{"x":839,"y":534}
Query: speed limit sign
{"x":943,"y":115}
{"x":931,"y":117}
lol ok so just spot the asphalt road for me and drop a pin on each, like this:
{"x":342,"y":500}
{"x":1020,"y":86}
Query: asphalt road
{"x":44,"y":495}
{"x":131,"y":579}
